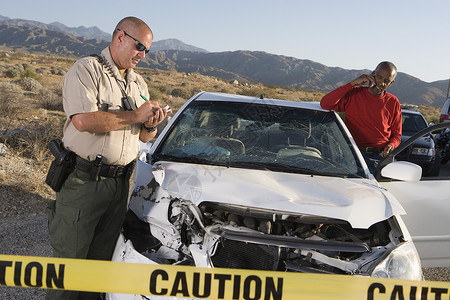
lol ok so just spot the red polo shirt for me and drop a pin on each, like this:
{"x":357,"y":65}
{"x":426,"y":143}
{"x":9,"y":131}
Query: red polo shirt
{"x":373,"y":121}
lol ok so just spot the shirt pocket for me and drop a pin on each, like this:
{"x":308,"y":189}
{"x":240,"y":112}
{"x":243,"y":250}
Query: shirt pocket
{"x":110,"y":97}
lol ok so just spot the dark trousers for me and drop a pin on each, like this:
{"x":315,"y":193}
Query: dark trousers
{"x":372,"y":160}
{"x":85,"y":221}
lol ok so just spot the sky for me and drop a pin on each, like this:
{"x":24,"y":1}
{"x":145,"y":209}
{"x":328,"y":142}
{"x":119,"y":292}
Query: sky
{"x":413,"y":34}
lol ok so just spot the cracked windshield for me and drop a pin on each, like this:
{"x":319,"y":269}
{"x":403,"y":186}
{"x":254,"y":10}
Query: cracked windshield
{"x":261,"y":136}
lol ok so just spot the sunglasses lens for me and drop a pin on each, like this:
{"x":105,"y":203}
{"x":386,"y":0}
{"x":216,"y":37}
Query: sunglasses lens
{"x":141,"y":47}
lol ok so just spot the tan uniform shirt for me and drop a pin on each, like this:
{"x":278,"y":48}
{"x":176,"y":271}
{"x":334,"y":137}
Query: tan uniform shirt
{"x":89,"y":87}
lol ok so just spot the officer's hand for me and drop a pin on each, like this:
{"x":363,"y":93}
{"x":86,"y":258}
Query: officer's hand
{"x":145,"y":111}
{"x":158,"y":116}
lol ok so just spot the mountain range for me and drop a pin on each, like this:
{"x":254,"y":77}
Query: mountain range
{"x":246,"y":66}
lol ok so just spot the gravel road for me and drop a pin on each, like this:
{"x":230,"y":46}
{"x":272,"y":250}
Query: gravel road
{"x":29,"y":236}
{"x":24,"y":236}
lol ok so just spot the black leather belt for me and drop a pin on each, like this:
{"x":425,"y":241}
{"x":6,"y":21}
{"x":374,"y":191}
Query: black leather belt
{"x":370,"y":149}
{"x":105,"y":170}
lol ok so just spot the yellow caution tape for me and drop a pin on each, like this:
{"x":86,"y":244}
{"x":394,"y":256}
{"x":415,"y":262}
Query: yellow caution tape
{"x":205,"y":283}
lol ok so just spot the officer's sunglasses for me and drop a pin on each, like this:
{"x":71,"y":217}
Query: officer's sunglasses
{"x":139,"y":45}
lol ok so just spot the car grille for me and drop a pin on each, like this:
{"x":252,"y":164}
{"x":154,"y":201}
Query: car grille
{"x":241,"y":255}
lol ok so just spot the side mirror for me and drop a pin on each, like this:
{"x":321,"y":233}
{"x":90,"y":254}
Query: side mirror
{"x":402,"y":170}
{"x":391,"y":157}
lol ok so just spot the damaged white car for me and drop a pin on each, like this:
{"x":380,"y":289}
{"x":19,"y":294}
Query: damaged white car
{"x":249,"y":183}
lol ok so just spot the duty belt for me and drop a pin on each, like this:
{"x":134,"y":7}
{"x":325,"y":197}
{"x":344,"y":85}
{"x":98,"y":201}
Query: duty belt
{"x":105,"y":170}
{"x":370,"y":149}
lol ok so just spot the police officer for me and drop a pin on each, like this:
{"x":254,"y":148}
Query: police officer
{"x":107,"y":111}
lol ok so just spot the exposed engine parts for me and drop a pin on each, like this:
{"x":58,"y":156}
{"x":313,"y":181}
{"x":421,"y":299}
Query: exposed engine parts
{"x":232,"y":236}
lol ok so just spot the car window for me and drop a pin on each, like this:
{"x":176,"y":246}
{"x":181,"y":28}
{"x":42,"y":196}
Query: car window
{"x":261,"y":136}
{"x":412,"y":123}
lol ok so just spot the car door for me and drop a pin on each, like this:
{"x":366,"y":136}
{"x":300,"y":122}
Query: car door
{"x":427,"y":204}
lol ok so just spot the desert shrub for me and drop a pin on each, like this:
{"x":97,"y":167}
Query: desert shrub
{"x":182,"y":93}
{"x":155,"y":94}
{"x":32,"y":141}
{"x":14,"y":72}
{"x":29,"y":84}
{"x":58,"y":71}
{"x":29,"y":73}
{"x":49,"y":100}
{"x":174,"y":102}
{"x":165,"y":89}
{"x":431,"y":113}
{"x":10,"y":97}
{"x":434,"y":120}
{"x":4,"y":57}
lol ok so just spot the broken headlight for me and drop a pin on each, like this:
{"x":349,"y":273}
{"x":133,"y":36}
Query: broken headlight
{"x":402,"y":263}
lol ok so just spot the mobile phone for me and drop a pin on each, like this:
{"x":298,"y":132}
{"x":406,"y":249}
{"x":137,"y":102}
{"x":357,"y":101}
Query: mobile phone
{"x":167,"y":108}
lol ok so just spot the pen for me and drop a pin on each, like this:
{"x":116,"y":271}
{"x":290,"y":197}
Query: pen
{"x":169,"y":110}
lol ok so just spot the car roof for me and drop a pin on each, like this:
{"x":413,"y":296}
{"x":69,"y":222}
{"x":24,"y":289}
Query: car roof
{"x":412,"y":112}
{"x":411,"y":107}
{"x":215,"y":96}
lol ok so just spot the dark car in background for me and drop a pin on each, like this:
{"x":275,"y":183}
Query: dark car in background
{"x":423,"y":151}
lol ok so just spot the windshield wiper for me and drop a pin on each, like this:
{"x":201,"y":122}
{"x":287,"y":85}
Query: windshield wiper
{"x":196,"y":159}
{"x":159,"y":156}
{"x":275,"y":167}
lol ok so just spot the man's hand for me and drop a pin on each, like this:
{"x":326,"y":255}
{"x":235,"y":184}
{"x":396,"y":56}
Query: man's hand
{"x":387,"y":150}
{"x":146,"y":111}
{"x":364,"y":80}
{"x":158,"y":116}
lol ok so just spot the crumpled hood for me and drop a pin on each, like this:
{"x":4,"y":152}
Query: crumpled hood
{"x":358,"y":201}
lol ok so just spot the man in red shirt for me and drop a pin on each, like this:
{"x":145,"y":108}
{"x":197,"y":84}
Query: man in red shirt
{"x":372,"y":115}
